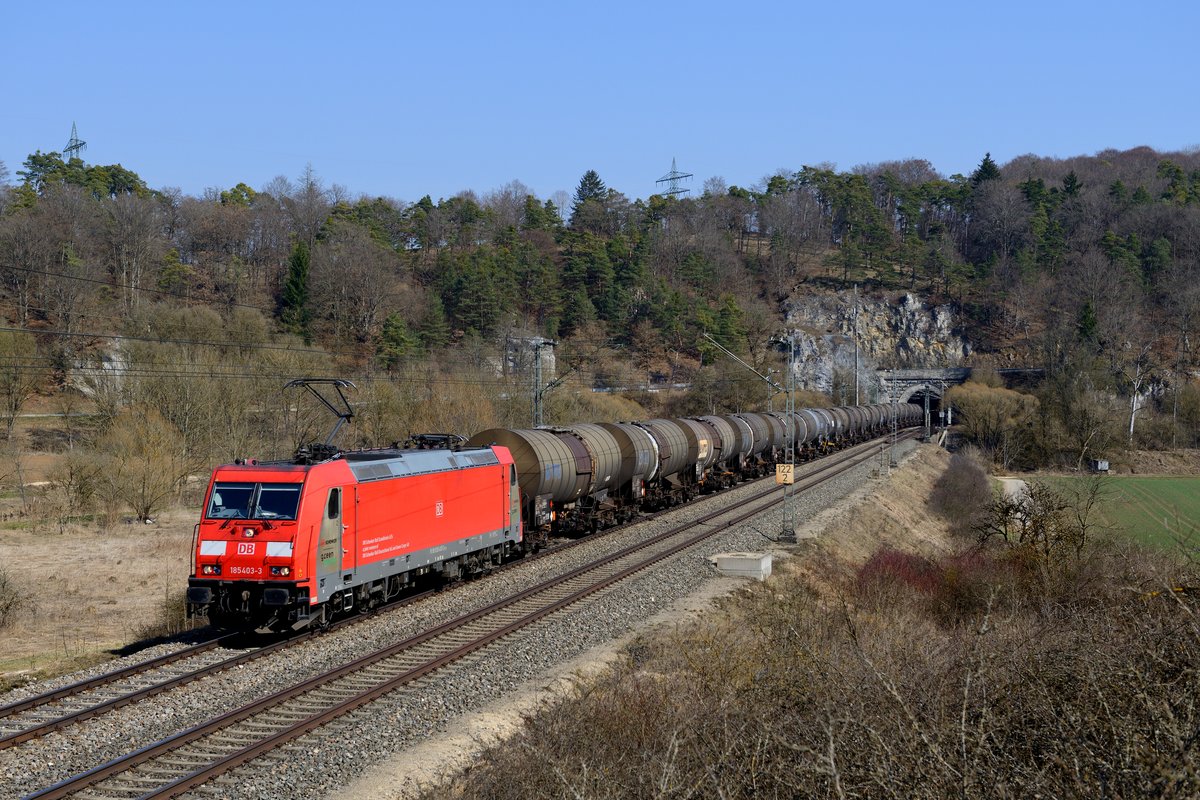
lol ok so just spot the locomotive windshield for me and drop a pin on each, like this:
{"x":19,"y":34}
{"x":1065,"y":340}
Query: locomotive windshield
{"x":254,"y":501}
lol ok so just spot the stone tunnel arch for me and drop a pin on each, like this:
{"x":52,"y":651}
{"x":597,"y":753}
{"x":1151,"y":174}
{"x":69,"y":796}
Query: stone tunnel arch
{"x":918,"y":393}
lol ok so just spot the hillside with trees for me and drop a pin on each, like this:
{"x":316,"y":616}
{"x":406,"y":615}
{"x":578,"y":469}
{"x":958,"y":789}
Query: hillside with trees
{"x":176,"y":318}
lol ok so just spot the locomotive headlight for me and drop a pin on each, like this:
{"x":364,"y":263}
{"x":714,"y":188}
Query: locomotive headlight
{"x":210,"y":569}
{"x":283,"y":571}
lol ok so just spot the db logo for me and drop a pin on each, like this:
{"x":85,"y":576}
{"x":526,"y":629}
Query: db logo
{"x":438,"y":509}
{"x":245,"y":548}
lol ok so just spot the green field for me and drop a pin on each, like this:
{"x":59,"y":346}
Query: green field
{"x":1160,"y":511}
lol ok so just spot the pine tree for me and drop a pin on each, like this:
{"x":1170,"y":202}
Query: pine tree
{"x":986,"y":171}
{"x":294,"y":311}
{"x":433,"y":331}
{"x":396,"y":342}
{"x":1071,"y":184}
{"x":590,"y":189}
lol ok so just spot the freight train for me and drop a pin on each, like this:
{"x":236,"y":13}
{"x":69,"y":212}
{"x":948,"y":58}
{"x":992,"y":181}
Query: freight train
{"x":291,"y":544}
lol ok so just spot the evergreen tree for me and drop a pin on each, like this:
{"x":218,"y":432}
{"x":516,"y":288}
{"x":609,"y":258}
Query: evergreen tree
{"x":1177,"y":183}
{"x":294,"y":311}
{"x":44,"y":169}
{"x":1071,"y":184}
{"x":577,"y":311}
{"x":1087,"y":323}
{"x":590,"y":190}
{"x":396,"y":342}
{"x":986,"y":171}
{"x":240,"y":195}
{"x":433,"y":331}
{"x":730,"y":330}
{"x":174,"y":275}
{"x":537,"y":216}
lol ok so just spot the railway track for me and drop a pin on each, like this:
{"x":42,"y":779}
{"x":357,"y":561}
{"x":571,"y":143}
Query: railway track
{"x":60,"y":708}
{"x":180,"y":763}
{"x":69,"y":705}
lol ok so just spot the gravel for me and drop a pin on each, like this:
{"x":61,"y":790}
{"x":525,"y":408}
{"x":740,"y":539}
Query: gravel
{"x":332,"y":757}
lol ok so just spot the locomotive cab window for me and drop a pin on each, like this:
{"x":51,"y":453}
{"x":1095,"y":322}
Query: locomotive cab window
{"x":254,"y":501}
{"x":334,"y":509}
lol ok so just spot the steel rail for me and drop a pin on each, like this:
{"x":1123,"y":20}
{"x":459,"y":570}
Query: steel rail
{"x":44,"y":727}
{"x":847,"y":460}
{"x":109,"y":677}
{"x":48,"y":726}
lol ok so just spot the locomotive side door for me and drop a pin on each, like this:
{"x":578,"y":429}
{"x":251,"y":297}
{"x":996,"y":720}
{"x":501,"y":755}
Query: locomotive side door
{"x":329,"y":547}
{"x":349,"y":532}
{"x":514,"y":504}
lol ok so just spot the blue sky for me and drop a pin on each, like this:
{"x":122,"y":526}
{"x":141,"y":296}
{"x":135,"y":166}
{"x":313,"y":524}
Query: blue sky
{"x":402,"y":100}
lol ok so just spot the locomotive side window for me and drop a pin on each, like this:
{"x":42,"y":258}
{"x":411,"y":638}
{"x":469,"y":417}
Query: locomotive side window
{"x":254,"y":501}
{"x":512,"y":475}
{"x":335,"y":504}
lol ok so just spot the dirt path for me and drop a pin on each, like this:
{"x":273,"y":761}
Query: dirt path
{"x":1014,"y":487}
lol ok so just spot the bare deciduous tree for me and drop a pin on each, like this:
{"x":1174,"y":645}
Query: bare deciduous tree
{"x":506,"y":205}
{"x":143,"y":463}
{"x":1044,"y":519}
{"x":308,"y":205}
{"x":21,"y":372}
{"x":132,"y":242}
{"x":27,"y":249}
{"x":354,"y":279}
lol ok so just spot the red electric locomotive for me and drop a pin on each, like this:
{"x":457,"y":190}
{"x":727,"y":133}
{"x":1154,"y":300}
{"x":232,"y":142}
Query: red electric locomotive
{"x":289,"y":544}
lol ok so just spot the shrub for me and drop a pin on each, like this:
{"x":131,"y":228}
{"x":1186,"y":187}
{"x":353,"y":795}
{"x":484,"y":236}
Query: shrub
{"x":1048,"y":523}
{"x":12,"y":600}
{"x":962,"y":494}
{"x":890,"y":567}
{"x":171,"y":620}
{"x":1093,"y":699}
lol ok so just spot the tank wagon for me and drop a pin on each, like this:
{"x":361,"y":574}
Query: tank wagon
{"x":287,"y":544}
{"x":578,"y":478}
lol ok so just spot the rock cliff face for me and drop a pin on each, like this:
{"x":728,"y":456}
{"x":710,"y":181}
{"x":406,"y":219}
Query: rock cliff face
{"x":894,"y":331}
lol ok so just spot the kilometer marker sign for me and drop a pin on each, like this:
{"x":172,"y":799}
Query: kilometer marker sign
{"x":784,"y":473}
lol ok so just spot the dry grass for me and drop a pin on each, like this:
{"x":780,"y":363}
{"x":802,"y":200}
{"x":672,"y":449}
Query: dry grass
{"x":89,"y":590}
{"x":892,"y":674}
